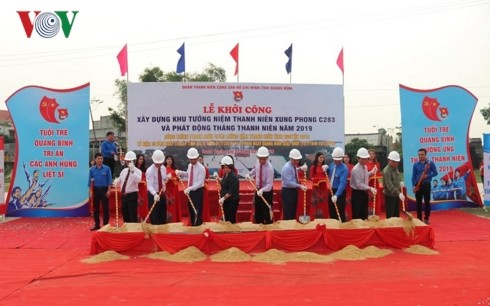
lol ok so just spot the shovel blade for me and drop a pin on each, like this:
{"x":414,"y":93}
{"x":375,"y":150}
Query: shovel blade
{"x":304,"y":219}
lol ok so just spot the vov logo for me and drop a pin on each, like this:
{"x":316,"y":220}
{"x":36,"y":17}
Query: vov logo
{"x":47,"y":24}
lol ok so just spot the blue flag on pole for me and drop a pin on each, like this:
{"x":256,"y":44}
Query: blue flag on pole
{"x":181,"y":62}
{"x":289,"y":54}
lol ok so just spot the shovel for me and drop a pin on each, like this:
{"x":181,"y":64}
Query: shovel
{"x":190,"y":201}
{"x":409,"y":215}
{"x":304,"y":219}
{"x":220,"y":205}
{"x":271,"y":213}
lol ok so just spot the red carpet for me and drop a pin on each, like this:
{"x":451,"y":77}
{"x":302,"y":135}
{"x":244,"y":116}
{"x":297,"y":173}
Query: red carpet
{"x":51,"y":272}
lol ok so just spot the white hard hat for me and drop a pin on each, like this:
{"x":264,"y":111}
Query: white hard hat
{"x":262,"y":152}
{"x":338,"y":153}
{"x":362,"y":153}
{"x":226,"y":160}
{"x":158,"y":157}
{"x":192,"y":153}
{"x":394,"y":156}
{"x":295,"y":154}
{"x":130,"y":156}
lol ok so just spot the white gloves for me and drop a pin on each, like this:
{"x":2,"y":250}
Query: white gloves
{"x":131,"y":166}
{"x":156,"y":197}
{"x":178,"y":173}
{"x":260,"y":192}
{"x":303,"y":187}
{"x":324,"y":168}
{"x":303,"y":168}
{"x":374,"y":171}
{"x":187,"y":190}
{"x":215,"y":174}
{"x":247,"y":176}
{"x":221,"y":200}
{"x":115,"y":182}
{"x":402,"y":184}
{"x":373,"y":190}
{"x":402,"y":197}
{"x":334,"y":199}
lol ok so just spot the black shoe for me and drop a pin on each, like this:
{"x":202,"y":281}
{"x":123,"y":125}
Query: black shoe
{"x":95,"y":228}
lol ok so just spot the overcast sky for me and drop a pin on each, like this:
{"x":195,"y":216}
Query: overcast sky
{"x":422,"y":44}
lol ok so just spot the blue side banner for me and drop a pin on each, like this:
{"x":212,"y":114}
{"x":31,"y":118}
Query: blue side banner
{"x":438,"y":120}
{"x":50,"y":173}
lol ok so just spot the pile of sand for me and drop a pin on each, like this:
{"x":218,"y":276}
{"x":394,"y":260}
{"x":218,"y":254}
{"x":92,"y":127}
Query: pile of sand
{"x":104,"y":257}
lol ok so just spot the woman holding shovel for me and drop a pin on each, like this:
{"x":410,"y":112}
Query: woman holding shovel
{"x":229,"y":196}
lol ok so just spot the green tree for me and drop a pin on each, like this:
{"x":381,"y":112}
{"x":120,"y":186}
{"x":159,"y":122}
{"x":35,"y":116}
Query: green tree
{"x":355,"y":145}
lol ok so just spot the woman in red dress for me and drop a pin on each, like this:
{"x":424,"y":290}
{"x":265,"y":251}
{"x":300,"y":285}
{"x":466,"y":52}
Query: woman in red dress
{"x":142,"y":192}
{"x":348,"y":189}
{"x":319,"y":207}
{"x":172,"y":190}
{"x":375,"y":175}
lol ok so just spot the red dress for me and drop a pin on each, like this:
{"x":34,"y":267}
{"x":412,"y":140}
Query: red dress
{"x":172,"y":195}
{"x":142,"y":198}
{"x":319,"y":206}
{"x":374,"y":182}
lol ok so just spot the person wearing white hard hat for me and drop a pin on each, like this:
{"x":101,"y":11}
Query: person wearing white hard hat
{"x":196,"y":174}
{"x":218,"y":175}
{"x":391,"y":186}
{"x":374,"y":169}
{"x":156,"y":179}
{"x":337,"y":173}
{"x":290,"y":185}
{"x":359,"y":182}
{"x":319,"y":207}
{"x":127,"y":184}
{"x":263,"y":172}
{"x":229,"y":192}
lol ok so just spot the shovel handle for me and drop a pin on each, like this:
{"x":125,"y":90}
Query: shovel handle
{"x":271,"y":214}
{"x":190,"y":201}
{"x":334,"y":203}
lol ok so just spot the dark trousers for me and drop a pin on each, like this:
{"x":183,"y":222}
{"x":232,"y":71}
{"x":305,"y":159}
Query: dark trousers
{"x":109,"y":162}
{"x":360,"y":201}
{"x":130,"y":207}
{"x":392,"y":205}
{"x":230,"y":207}
{"x":98,"y":196}
{"x":340,"y":206}
{"x":197,"y":197}
{"x":159,"y":213}
{"x":262,"y":213}
{"x":289,"y":203}
{"x":423,"y":193}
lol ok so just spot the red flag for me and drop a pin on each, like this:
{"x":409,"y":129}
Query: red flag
{"x":340,"y":60}
{"x":122,"y":58}
{"x":234,"y":54}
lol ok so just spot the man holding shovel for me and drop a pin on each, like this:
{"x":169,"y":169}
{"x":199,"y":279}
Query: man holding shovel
{"x":290,"y":185}
{"x":156,"y":180}
{"x":337,"y":173}
{"x":264,"y":179}
{"x":392,"y":186}
{"x":359,"y":181}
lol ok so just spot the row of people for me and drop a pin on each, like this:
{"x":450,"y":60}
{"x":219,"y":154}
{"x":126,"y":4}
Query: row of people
{"x":150,"y":188}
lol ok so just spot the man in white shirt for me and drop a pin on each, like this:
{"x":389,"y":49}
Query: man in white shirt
{"x":128,"y":185}
{"x":264,"y":180}
{"x":156,"y":179}
{"x":196,"y":174}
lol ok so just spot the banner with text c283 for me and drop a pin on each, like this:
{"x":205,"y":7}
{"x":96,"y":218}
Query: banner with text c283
{"x":50,"y":173}
{"x":438,"y":121}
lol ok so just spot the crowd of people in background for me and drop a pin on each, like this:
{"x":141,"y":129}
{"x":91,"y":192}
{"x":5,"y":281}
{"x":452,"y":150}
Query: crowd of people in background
{"x":339,"y":190}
